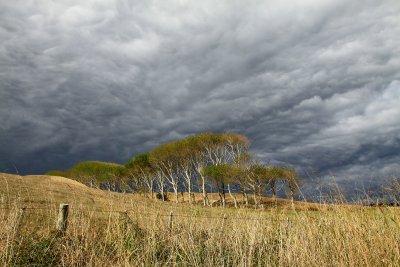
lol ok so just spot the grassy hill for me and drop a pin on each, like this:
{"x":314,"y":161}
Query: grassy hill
{"x":49,"y":191}
{"x":100,"y":233}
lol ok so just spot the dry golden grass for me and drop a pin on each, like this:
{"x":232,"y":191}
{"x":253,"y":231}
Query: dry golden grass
{"x":42,"y":190}
{"x":331,"y":236}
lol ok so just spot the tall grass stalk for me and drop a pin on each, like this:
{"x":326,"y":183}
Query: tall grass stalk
{"x":338,"y":237}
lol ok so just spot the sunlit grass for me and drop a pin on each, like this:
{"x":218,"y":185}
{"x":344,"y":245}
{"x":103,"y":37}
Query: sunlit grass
{"x":100,"y":234}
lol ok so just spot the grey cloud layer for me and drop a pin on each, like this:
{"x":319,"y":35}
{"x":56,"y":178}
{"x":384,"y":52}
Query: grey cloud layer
{"x":312,"y":83}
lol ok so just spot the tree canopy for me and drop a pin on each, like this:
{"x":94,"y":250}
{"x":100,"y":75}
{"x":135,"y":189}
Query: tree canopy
{"x":194,"y":163}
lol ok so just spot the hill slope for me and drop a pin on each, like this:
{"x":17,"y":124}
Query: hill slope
{"x":43,"y":190}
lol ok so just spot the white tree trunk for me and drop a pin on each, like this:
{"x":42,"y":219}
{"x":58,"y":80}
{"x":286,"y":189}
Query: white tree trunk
{"x":232,"y":196}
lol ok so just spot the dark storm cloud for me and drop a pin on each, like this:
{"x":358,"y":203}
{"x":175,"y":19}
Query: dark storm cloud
{"x":312,"y":83}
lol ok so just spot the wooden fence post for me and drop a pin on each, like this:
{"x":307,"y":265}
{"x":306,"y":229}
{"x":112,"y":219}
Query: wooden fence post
{"x":62,"y":219}
{"x":170,"y":220}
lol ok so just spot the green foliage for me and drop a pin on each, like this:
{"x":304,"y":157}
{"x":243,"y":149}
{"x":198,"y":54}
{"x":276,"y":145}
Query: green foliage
{"x":277,"y":172}
{"x":97,"y":170}
{"x":141,"y":172}
{"x":223,"y":158}
{"x":130,"y":164}
{"x":199,"y":145}
{"x":221,"y":173}
{"x":141,"y":160}
{"x":165,"y":153}
{"x":259,"y":171}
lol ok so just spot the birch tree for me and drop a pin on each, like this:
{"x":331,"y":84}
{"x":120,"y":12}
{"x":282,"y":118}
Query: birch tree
{"x":143,"y":172}
{"x":291,"y":179}
{"x":218,"y":174}
{"x":185,"y":152}
{"x":165,"y":159}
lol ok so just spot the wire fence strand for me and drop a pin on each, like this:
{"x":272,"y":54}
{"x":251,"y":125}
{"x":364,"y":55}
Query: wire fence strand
{"x":155,"y":214}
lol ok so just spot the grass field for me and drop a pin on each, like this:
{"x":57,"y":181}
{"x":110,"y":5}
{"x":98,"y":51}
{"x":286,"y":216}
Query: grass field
{"x":113,"y":229}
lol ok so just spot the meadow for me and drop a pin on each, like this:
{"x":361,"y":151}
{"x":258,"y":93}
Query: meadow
{"x":115,"y":229}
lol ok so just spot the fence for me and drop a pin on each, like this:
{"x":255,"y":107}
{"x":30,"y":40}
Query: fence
{"x":64,"y":209}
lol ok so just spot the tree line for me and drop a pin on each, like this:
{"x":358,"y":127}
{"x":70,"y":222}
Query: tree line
{"x":220,"y":162}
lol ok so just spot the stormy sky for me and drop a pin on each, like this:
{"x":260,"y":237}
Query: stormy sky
{"x":315,"y":84}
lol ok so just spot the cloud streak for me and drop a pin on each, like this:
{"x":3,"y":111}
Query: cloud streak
{"x":312,"y":83}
